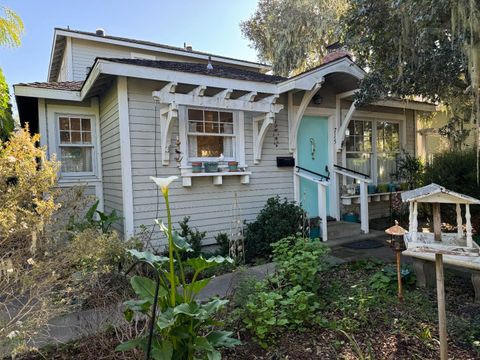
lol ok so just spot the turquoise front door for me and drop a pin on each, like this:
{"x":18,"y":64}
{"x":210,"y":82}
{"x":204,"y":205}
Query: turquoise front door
{"x":312,"y":154}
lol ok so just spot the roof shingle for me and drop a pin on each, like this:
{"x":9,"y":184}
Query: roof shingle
{"x":65,"y":85}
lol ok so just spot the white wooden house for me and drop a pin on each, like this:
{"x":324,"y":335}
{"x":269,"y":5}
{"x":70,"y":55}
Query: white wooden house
{"x":117,"y":111}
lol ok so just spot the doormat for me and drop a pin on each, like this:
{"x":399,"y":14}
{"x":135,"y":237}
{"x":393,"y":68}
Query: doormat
{"x":364,"y":244}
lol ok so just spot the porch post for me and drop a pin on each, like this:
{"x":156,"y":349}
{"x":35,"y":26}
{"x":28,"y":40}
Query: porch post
{"x":322,"y":209}
{"x":459,"y":221}
{"x":364,"y":207}
{"x":414,"y":223}
{"x":469,"y":225}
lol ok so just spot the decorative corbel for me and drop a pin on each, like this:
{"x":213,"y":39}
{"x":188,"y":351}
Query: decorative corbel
{"x":199,"y":90}
{"x":267,"y":120}
{"x":167,"y":116}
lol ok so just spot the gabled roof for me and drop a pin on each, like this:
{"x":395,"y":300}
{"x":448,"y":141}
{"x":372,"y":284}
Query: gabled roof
{"x":61,"y":33}
{"x":197,"y":68}
{"x":435,"y":193}
{"x":54,"y":85}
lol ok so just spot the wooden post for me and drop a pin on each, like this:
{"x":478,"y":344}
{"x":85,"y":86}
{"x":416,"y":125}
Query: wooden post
{"x":322,"y":210}
{"x":469,"y":225}
{"x":399,"y":273}
{"x":410,"y":218}
{"x":364,"y":207}
{"x":459,"y":221}
{"x":437,"y":222}
{"x":442,"y":317}
{"x":414,"y":223}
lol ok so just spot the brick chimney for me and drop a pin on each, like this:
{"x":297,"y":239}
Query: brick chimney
{"x":335,"y":51}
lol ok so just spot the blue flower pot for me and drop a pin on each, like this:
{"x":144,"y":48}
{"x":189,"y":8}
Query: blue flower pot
{"x":315,"y":233}
{"x":350,"y":218}
{"x":372,"y":189}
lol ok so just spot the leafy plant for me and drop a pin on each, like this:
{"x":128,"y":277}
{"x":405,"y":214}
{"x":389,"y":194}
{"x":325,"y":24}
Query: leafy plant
{"x":409,"y":169}
{"x":277,"y":220}
{"x":184,"y":328}
{"x":223,"y":243}
{"x":386,"y":279}
{"x":192,"y":236}
{"x":96,"y":219}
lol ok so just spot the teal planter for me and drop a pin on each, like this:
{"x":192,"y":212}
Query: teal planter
{"x":211,"y":167}
{"x":315,"y":233}
{"x":350,"y":218}
{"x":372,"y":189}
{"x":232,"y":166}
{"x":392,"y":187}
{"x":196,"y":167}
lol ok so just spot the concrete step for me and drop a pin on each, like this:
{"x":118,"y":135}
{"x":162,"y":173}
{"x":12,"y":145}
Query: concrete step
{"x":339,"y":229}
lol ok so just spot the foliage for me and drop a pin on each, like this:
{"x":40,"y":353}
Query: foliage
{"x":293,"y":35}
{"x":386,"y":279}
{"x":11,"y":27}
{"x":192,"y":236}
{"x":223,"y":243}
{"x":277,"y":220}
{"x":184,"y":327}
{"x":410,"y":169}
{"x":287,"y":298}
{"x":455,"y":170}
{"x":27,"y":181}
{"x":7,"y":123}
{"x":297,"y":261}
{"x":96,"y":219}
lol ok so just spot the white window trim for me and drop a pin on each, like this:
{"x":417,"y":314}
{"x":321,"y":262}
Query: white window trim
{"x":238,"y":134}
{"x":92,"y":145}
{"x":374,"y":118}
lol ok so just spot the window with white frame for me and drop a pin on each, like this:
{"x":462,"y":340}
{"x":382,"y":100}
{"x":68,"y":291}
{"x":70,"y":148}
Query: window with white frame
{"x":210,"y":134}
{"x":76,"y":144}
{"x":358,"y":140}
{"x":388,"y":148}
{"x":372,"y":148}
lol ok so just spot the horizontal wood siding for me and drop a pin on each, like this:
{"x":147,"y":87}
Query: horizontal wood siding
{"x":111,"y":157}
{"x":209,"y":206}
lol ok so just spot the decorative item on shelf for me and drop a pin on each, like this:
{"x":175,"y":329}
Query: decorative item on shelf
{"x":392,"y":187}
{"x":196,"y":167}
{"x":314,"y":227}
{"x":396,"y":242}
{"x":233,"y":166}
{"x":372,"y":188}
{"x":211,"y":166}
{"x":383,"y":188}
{"x":350,"y":189}
{"x":350,"y":216}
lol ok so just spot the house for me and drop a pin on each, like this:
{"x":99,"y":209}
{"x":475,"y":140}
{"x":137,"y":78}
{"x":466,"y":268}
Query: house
{"x":117,"y":111}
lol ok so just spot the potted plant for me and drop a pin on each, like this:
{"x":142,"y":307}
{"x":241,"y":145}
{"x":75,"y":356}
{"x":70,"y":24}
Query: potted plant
{"x":196,"y":167}
{"x":404,"y":186}
{"x":383,"y":188}
{"x":233,"y":166}
{"x":392,"y":187}
{"x":372,"y":188}
{"x":350,"y":216}
{"x":211,"y":166}
{"x":314,"y":226}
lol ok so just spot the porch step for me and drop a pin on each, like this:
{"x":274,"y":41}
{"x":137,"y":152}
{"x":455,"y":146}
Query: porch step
{"x":339,"y":229}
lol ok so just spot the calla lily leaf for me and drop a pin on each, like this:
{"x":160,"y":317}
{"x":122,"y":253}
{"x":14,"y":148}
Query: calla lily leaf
{"x":180,"y":243}
{"x":148,"y":256}
{"x":200,"y":263}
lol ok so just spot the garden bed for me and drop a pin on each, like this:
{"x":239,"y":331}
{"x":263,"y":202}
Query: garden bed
{"x":372,"y":319}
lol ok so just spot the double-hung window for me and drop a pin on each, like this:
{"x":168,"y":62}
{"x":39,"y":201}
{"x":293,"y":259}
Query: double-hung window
{"x":372,"y":148}
{"x":75,"y":145}
{"x":210,"y":134}
{"x":358,"y":139}
{"x":388,"y":148}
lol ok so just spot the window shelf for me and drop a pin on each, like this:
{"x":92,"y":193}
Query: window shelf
{"x":217,"y":177}
{"x":377,"y":197}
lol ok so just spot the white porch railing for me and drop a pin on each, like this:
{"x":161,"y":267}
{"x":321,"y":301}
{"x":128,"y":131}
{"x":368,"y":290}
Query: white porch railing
{"x":364,"y":181}
{"x":322,"y":199}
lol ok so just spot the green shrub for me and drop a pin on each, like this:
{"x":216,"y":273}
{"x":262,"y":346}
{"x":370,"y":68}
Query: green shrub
{"x":287,"y":298}
{"x":223,"y":243}
{"x":193,"y":237}
{"x":277,"y":220}
{"x":299,"y":260}
{"x":95,"y":219}
{"x":386,"y":279}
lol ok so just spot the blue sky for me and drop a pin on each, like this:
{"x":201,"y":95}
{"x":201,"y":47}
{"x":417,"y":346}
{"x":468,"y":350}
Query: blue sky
{"x":209,"y":25}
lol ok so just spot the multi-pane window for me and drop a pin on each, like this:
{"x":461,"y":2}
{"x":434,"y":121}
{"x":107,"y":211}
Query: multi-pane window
{"x":358,"y":139}
{"x":210,"y":134}
{"x":365,"y":148}
{"x":388,"y":148}
{"x":75,"y":145}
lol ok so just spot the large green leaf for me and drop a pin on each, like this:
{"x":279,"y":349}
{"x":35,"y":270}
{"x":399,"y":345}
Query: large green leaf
{"x":148,"y":256}
{"x":200,"y":263}
{"x":180,"y":243}
{"x":166,"y":319}
{"x":145,"y":288}
{"x":214,"y":355}
{"x":138,"y":305}
{"x":191,"y":309}
{"x":162,"y":350}
{"x":214,"y":305}
{"x":222,"y":339}
{"x":197,"y":286}
{"x":131,"y":344}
